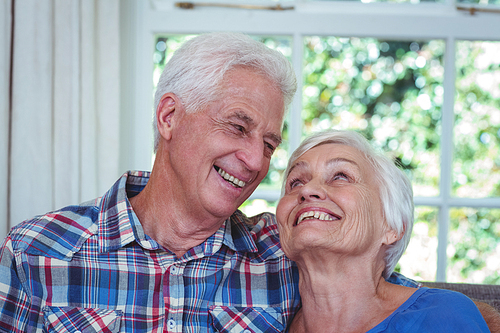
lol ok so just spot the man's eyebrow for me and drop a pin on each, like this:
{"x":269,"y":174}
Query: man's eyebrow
{"x":275,"y":137}
{"x":244,"y":117}
{"x":249,"y":121}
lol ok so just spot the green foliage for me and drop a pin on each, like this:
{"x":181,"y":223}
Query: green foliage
{"x":390,"y":91}
{"x":473,"y":250}
{"x":476,"y":167}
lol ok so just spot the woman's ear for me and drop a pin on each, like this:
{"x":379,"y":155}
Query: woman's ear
{"x":168,"y":108}
{"x":391,"y":236}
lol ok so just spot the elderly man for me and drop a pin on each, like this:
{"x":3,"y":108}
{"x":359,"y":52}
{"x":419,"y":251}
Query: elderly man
{"x":168,"y":250}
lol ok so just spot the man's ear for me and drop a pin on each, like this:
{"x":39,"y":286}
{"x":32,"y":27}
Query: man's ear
{"x":168,"y":108}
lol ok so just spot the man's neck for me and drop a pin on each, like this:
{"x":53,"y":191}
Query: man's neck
{"x":170,"y":223}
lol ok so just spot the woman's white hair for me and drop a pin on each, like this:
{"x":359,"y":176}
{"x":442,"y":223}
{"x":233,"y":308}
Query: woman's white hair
{"x":396,"y":192}
{"x":195,"y":71}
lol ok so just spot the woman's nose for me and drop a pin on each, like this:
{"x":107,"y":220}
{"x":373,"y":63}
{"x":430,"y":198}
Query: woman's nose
{"x":313,"y":190}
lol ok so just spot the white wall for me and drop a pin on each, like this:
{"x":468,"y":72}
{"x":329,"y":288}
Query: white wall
{"x":65,"y":111}
{"x":5,"y":38}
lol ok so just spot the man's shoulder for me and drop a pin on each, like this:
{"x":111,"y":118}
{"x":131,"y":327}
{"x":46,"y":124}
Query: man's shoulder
{"x":260,"y":225}
{"x":56,"y":234}
{"x":265,"y":219}
{"x":263,"y":230}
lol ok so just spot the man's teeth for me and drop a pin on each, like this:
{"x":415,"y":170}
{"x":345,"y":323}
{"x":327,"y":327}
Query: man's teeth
{"x":231,"y":179}
{"x":315,"y":215}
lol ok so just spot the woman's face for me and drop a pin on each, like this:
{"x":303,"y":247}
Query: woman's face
{"x":331,"y":203}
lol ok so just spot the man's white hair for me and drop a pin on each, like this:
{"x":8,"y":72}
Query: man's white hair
{"x":197,"y":68}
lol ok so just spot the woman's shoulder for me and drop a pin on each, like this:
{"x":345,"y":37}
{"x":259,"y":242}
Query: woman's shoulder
{"x":440,"y":310}
{"x":429,"y":291}
{"x":439,"y":302}
{"x":442,"y":296}
{"x":436,"y":310}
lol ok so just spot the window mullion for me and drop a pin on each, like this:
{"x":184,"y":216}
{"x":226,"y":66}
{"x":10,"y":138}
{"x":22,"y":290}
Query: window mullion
{"x":446,"y":156}
{"x":295,"y":118}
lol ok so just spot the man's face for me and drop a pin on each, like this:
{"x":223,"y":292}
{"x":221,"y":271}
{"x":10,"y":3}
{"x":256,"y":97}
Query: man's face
{"x":220,"y":155}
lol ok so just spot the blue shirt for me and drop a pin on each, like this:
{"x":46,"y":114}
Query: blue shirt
{"x":434,"y":310}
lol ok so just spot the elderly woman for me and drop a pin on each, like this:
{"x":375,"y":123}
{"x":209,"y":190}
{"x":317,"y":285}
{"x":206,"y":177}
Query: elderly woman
{"x":345,"y":217}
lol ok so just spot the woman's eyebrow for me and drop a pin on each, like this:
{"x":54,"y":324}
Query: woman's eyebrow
{"x":300,"y":164}
{"x":338,"y":160}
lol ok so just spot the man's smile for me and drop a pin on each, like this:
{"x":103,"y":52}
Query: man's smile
{"x":230,"y":178}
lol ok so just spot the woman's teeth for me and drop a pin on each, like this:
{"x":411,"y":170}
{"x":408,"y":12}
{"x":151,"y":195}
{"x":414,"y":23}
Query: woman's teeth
{"x":231,"y":179}
{"x":315,"y":215}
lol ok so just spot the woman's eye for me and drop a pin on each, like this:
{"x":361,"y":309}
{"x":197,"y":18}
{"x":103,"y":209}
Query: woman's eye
{"x":294,"y":183}
{"x":340,"y":176}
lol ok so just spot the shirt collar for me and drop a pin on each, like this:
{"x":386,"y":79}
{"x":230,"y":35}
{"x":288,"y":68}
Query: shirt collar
{"x":118,"y":225}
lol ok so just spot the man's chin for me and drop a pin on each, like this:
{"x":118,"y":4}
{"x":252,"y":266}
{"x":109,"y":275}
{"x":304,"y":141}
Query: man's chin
{"x":227,"y":211}
{"x":225,"y":205}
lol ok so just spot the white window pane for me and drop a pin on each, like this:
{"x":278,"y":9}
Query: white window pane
{"x":420,"y":258}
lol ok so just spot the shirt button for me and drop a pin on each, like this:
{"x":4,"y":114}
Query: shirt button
{"x":174,"y":270}
{"x":171,"y":324}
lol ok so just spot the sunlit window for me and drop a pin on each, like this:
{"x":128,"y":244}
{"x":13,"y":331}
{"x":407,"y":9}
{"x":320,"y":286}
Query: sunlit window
{"x":420,"y":259}
{"x":393,"y":1}
{"x":391,"y":91}
{"x":441,"y":123}
{"x":476,"y":164}
{"x":474,"y":248}
{"x":479,"y":2}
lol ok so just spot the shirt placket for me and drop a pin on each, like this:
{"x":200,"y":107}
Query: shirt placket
{"x":173,"y":291}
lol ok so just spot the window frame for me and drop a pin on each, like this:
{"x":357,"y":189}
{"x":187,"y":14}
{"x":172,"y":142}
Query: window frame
{"x":387,"y":21}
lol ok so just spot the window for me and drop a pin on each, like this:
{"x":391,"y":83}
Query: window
{"x":418,"y":79}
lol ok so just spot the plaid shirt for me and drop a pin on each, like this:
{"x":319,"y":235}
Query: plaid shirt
{"x":91,"y":268}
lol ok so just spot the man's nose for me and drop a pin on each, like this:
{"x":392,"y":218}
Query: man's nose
{"x":252,"y":154}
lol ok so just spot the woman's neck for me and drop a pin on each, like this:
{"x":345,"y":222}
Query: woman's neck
{"x":347,"y":295}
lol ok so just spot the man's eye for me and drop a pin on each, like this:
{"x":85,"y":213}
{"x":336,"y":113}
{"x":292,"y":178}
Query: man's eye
{"x":239,"y":128}
{"x":270,"y":147}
